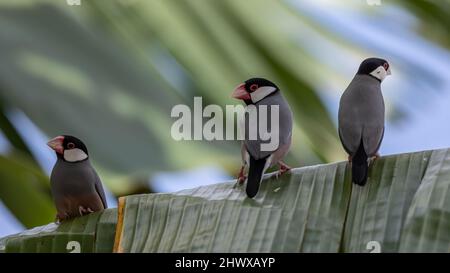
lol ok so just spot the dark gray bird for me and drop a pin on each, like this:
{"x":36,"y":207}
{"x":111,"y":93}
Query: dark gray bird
{"x":361,"y":116}
{"x":75,"y":185}
{"x":257,"y":156}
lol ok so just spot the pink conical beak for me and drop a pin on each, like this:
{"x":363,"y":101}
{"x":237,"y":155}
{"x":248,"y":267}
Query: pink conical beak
{"x":240,"y":93}
{"x":57,"y":144}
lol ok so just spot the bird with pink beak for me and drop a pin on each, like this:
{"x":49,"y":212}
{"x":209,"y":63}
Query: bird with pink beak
{"x":241,"y":93}
{"x":57,"y":144}
{"x":76,"y":188}
{"x":260,"y":93}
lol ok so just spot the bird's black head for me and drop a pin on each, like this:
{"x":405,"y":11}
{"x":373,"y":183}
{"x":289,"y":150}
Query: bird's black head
{"x":251,"y":85}
{"x":375,"y":67}
{"x":254,"y":90}
{"x":71,"y":142}
{"x":69,"y":148}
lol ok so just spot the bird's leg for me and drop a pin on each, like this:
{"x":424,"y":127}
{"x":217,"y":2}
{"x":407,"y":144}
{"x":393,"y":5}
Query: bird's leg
{"x":374,"y":158}
{"x":60,"y":217}
{"x":377,"y":156}
{"x":241,"y":176}
{"x":84,"y":211}
{"x":81,"y":210}
{"x":283,"y":168}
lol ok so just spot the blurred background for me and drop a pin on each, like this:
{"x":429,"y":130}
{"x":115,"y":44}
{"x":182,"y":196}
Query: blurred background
{"x":109,"y":72}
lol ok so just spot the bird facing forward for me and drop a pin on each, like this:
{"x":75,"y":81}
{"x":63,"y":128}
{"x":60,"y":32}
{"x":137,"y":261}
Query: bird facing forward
{"x":361,"y":116}
{"x":261,"y":93}
{"x":75,"y":185}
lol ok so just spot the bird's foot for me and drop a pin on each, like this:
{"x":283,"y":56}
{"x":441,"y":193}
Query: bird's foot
{"x":377,"y":156}
{"x":81,"y":210}
{"x":241,"y":176}
{"x":84,"y":211}
{"x":374,"y":158}
{"x":283,"y":168}
{"x":61,"y":217}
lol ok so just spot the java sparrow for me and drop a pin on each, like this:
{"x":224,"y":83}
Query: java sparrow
{"x":75,"y":185}
{"x":261,"y":93}
{"x":361,"y":116}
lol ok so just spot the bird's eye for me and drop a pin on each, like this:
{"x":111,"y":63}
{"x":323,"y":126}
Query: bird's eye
{"x":386,"y":66}
{"x":253,"y":87}
{"x":70,"y":145}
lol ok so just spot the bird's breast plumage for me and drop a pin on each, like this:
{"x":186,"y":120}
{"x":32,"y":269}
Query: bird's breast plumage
{"x":72,"y":178}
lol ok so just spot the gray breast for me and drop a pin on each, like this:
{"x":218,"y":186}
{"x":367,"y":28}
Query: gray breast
{"x":72,"y":178}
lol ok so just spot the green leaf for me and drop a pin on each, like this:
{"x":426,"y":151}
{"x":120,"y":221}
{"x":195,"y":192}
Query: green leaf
{"x":378,"y":210}
{"x":302,"y":212}
{"x":92,"y":233}
{"x":106,"y":231}
{"x":7,"y":128}
{"x":74,"y":88}
{"x":434,"y":18}
{"x":25,"y":190}
{"x":427,"y":224}
{"x":404,"y":207}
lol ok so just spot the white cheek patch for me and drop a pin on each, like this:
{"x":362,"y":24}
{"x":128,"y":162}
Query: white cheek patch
{"x":379,"y":73}
{"x":261,"y":93}
{"x":74,"y":155}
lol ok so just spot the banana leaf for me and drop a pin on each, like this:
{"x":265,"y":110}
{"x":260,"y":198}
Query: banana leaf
{"x":404,"y":207}
{"x":307,"y":205}
{"x":427,"y":224}
{"x":91,"y":233}
{"x":377,"y":211}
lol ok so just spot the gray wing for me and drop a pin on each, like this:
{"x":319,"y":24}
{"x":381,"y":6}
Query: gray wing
{"x":350,"y":126}
{"x":284,"y":127}
{"x":346,"y":148}
{"x":99,"y":189}
{"x":361,"y":116}
{"x":244,"y":154}
{"x":252,"y":146}
{"x":350,"y":135}
{"x":372,"y":137}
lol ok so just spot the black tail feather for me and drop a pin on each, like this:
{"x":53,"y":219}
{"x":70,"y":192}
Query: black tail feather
{"x":255,"y":173}
{"x":360,"y":168}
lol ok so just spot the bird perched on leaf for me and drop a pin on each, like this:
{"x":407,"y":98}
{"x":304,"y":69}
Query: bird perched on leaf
{"x":259,"y":94}
{"x":75,"y":185}
{"x":361,"y":116}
